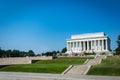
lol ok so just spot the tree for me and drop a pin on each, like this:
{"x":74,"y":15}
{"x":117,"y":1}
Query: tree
{"x":117,"y":51}
{"x":23,"y":54}
{"x":30,"y":53}
{"x":64,"y":50}
{"x":54,"y":52}
{"x":118,"y":41}
{"x":2,"y":53}
{"x":15,"y":53}
{"x":58,"y":52}
{"x":118,"y":48}
{"x":8,"y":53}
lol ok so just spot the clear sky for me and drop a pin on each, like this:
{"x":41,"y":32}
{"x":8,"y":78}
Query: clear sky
{"x":44,"y":25}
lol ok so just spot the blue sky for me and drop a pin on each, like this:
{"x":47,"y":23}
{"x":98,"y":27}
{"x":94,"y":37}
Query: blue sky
{"x":44,"y":25}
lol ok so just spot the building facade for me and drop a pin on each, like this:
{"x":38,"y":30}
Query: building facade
{"x":89,"y":42}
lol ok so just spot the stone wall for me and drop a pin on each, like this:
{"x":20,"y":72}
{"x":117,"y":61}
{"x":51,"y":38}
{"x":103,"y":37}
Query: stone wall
{"x":21,"y":60}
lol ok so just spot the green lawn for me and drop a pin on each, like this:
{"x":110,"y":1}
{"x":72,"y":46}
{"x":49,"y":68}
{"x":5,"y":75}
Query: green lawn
{"x":108,"y":67}
{"x":57,"y":65}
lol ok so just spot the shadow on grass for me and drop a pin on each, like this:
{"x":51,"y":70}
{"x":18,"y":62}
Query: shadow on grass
{"x":2,"y":66}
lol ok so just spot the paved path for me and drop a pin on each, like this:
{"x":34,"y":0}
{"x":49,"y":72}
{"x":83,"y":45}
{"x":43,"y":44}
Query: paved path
{"x":39,"y":76}
{"x":83,"y":69}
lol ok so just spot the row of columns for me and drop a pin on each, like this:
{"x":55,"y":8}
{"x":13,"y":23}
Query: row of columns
{"x":92,"y":45}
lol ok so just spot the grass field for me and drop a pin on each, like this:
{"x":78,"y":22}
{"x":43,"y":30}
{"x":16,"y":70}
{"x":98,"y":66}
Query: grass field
{"x":57,"y":65}
{"x":108,"y":67}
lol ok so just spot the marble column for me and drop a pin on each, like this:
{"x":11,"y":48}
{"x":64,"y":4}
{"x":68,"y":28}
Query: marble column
{"x":91,"y":45}
{"x":73,"y":46}
{"x":87,"y":45}
{"x":83,"y":45}
{"x":98,"y":45}
{"x":102,"y":45}
{"x":77,"y":46}
{"x":67,"y":47}
{"x":106,"y":44}
{"x":80,"y":47}
{"x":94,"y":45}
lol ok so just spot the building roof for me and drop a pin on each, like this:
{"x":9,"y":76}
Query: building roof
{"x":88,"y":35}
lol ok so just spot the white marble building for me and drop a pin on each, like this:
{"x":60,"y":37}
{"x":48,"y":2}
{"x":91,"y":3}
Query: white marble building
{"x":89,"y":42}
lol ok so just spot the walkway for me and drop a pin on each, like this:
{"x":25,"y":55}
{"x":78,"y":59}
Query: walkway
{"x":83,"y":69}
{"x":38,"y":76}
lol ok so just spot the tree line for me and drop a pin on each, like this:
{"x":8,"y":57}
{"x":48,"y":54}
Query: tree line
{"x":53,"y":53}
{"x":15,"y":53}
{"x":18,"y":53}
{"x":117,"y":50}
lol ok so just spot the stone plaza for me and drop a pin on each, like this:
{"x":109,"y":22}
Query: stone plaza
{"x":42,"y":76}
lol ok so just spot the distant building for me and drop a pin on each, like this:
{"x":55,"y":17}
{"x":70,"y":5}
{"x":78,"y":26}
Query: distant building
{"x":89,"y":42}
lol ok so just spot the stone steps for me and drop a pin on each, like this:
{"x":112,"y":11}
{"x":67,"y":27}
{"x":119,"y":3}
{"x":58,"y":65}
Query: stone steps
{"x":83,"y":69}
{"x":78,"y":69}
{"x":93,"y":62}
{"x":96,"y":60}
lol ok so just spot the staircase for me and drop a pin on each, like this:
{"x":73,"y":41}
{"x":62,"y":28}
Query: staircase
{"x":83,"y":69}
{"x":94,"y":61}
{"x":79,"y":69}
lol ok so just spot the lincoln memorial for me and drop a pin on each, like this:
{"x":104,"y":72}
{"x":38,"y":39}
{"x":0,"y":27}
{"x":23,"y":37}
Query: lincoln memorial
{"x":89,"y":42}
